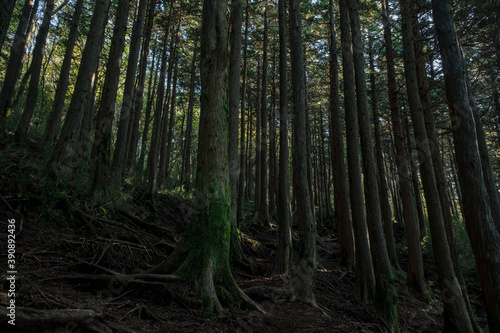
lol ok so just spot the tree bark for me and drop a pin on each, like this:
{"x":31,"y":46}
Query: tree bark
{"x":386,"y":299}
{"x":364,"y":274}
{"x":340,"y":178}
{"x":455,"y":310}
{"x":241,"y":185}
{"x":263,"y":213}
{"x":203,"y":255}
{"x":16,"y":58}
{"x":143,"y":28}
{"x":285,"y":249}
{"x":119,"y":157}
{"x":36,"y":66}
{"x":54,"y":121}
{"x":415,"y":275}
{"x":152,"y":166}
{"x":101,"y":149}
{"x":186,"y":160}
{"x":303,"y":280}
{"x":6,"y":9}
{"x":385,"y":206}
{"x":68,"y":152}
{"x":234,"y":102}
{"x":485,"y":239}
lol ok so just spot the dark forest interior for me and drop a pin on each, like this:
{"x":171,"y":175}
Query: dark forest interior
{"x":250,"y":166}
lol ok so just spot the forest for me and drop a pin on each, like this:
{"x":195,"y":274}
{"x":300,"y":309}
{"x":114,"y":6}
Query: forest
{"x":250,"y":166}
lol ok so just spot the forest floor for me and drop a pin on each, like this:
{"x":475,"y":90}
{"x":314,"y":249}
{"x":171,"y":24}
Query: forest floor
{"x":78,"y":264}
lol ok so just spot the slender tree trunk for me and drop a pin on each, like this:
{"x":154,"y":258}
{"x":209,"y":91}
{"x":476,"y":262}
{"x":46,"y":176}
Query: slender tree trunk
{"x":138,"y":92}
{"x":234,"y":102}
{"x":257,"y":141}
{"x":186,"y":161}
{"x":485,"y":239}
{"x":455,"y":310}
{"x":303,"y":280}
{"x":341,"y":190}
{"x":272,"y":188}
{"x":364,"y":274}
{"x":68,"y":152}
{"x":386,"y":299}
{"x":152,"y":166}
{"x":415,"y":275}
{"x":36,"y":66}
{"x":241,"y":185}
{"x":16,"y":58}
{"x":489,"y":178}
{"x":432,"y":135}
{"x":263,"y":213}
{"x":171,"y":121}
{"x":385,"y":206}
{"x":119,"y":157}
{"x":54,"y":121}
{"x":285,"y":249}
{"x":101,"y":149}
{"x":6,"y":9}
{"x":149,"y":106}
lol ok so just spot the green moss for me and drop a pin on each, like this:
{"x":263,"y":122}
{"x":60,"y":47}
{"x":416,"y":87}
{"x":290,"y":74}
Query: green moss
{"x":207,"y":304}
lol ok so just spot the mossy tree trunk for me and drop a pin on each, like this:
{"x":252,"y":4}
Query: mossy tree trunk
{"x":203,"y":255}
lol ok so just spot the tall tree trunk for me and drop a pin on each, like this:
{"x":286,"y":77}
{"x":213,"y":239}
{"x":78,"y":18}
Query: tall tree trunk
{"x":167,"y":114}
{"x":53,"y":124}
{"x":171,"y":121}
{"x":68,"y":152}
{"x":257,"y":141}
{"x":203,"y":255}
{"x":138,"y":91}
{"x":152,"y":166}
{"x":489,"y":178}
{"x":415,"y":275}
{"x":6,"y":9}
{"x":119,"y":157}
{"x":341,"y":190}
{"x":16,"y":58}
{"x":272,"y":188}
{"x":456,"y":314}
{"x":386,"y":299}
{"x":303,"y":280}
{"x":284,"y":252}
{"x":485,"y":239}
{"x":101,"y":149}
{"x":432,"y":135}
{"x":385,"y":206}
{"x":149,"y":106}
{"x":234,"y":102}
{"x":263,"y":213}
{"x":36,"y":66}
{"x":364,"y":274}
{"x":186,"y":160}
{"x":241,"y":181}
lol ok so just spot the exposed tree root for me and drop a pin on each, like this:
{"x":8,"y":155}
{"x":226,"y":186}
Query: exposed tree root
{"x":32,"y":320}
